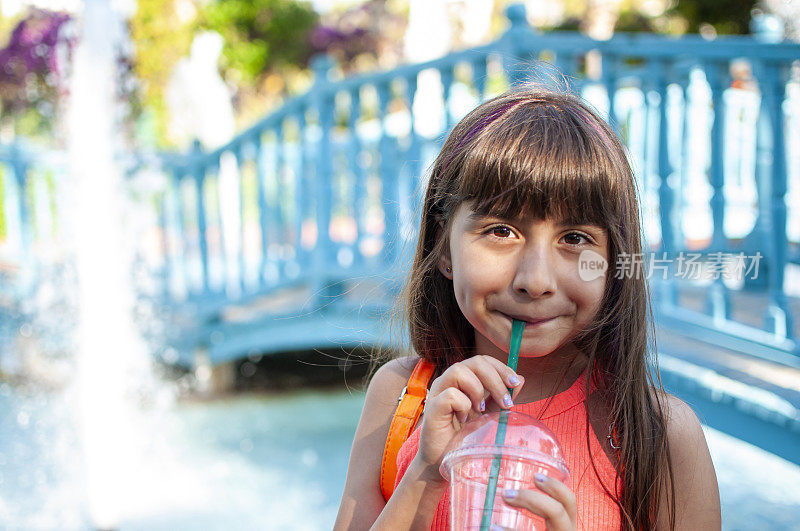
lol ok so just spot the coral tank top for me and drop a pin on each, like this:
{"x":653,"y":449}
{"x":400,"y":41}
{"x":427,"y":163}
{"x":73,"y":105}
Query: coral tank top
{"x":565,"y":415}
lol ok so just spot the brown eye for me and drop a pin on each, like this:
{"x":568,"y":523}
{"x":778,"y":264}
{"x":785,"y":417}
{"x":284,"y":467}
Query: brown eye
{"x":575,"y":236}
{"x":501,"y":231}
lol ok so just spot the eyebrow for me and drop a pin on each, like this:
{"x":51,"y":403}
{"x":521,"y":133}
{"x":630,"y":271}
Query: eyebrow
{"x":477,"y":216}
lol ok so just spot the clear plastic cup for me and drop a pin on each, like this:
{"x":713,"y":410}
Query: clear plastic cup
{"x":529,"y":448}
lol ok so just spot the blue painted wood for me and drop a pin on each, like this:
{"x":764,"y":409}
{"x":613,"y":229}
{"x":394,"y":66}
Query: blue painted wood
{"x":324,"y":258}
{"x":199,"y":176}
{"x":401,"y":165}
{"x":779,"y":317}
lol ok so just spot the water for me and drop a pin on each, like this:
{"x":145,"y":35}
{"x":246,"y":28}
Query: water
{"x":261,"y":461}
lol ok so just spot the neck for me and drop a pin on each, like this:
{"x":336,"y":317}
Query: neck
{"x":547,"y":375}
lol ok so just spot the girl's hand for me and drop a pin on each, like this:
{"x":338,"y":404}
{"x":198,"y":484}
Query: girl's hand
{"x":555,"y":503}
{"x":459,"y":393}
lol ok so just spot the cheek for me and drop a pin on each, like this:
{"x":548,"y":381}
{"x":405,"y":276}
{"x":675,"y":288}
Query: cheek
{"x":589,"y":294}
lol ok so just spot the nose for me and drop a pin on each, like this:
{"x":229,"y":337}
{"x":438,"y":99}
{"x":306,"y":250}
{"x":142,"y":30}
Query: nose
{"x":535,"y":275}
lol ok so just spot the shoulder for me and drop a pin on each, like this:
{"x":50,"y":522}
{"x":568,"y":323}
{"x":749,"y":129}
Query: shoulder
{"x":388,"y":381}
{"x":697,"y":502}
{"x":362,"y":500}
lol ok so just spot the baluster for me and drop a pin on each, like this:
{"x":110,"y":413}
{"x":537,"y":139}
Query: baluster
{"x":479,"y":77}
{"x":567,"y":66}
{"x":239,"y":155}
{"x":448,"y":75}
{"x":324,"y":257}
{"x":360,"y":196}
{"x":199,"y":175}
{"x":665,"y":191}
{"x":181,"y":246}
{"x":683,"y":157}
{"x":163,"y":225}
{"x":513,"y":58}
{"x":609,"y":79}
{"x":415,"y":148}
{"x":302,"y":194}
{"x":261,"y":200}
{"x":779,"y":319}
{"x":280,"y":192}
{"x":388,"y":173}
{"x":718,"y":302}
{"x":220,"y":222}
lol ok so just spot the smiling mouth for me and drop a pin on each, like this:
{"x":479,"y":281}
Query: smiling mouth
{"x":530,"y":322}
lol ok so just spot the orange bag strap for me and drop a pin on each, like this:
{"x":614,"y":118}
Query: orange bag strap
{"x":409,"y":408}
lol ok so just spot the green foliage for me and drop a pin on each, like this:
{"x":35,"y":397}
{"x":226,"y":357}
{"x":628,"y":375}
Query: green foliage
{"x":160,"y":40}
{"x":260,"y":35}
{"x":726,"y":16}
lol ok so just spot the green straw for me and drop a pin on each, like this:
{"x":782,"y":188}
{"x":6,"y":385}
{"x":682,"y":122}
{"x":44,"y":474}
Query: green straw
{"x":517,"y":328}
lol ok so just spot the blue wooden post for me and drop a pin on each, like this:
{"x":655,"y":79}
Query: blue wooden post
{"x":513,"y":44}
{"x":779,"y":315}
{"x":447,"y":76}
{"x":280,"y":192}
{"x":360,"y":195}
{"x":665,"y":191}
{"x":166,"y":262}
{"x":389,"y":187}
{"x":324,"y":258}
{"x":238,"y":153}
{"x":718,"y":300}
{"x":609,"y":80}
{"x":199,"y":174}
{"x":216,"y":166}
{"x":479,"y":77}
{"x":302,"y":192}
{"x":717,"y":75}
{"x":181,"y":255}
{"x":414,"y":157}
{"x":261,"y":196}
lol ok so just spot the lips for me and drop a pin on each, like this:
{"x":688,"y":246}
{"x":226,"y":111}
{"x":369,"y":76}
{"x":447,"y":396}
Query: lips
{"x":529,"y":319}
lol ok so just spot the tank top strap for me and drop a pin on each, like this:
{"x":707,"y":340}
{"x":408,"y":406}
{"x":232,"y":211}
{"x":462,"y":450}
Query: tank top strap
{"x":556,"y":404}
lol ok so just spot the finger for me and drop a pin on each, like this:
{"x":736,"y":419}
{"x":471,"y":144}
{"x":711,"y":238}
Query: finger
{"x":495,"y":377}
{"x":559,"y":492}
{"x":449,"y":402}
{"x":539,"y":503}
{"x":462,"y":377}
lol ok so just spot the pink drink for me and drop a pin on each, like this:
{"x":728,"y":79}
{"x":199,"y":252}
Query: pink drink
{"x":530,"y":448}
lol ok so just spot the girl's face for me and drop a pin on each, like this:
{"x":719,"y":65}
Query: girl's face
{"x":528,"y":270}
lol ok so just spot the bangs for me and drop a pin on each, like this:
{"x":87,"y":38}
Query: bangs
{"x":543,"y":161}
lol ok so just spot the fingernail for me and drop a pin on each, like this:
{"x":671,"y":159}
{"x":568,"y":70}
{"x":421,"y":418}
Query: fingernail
{"x":510,"y":493}
{"x":483,"y":404}
{"x":540,"y":478}
{"x":495,"y":527}
{"x":507,"y":400}
{"x":513,"y":380}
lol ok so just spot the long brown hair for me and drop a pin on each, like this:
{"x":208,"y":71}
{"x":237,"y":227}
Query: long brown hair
{"x":547,"y":154}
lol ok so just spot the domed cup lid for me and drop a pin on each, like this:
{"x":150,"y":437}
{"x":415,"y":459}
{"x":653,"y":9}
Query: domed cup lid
{"x":525,"y":438}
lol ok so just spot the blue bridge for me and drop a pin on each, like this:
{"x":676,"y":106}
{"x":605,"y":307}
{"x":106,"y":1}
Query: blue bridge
{"x":296,"y":234}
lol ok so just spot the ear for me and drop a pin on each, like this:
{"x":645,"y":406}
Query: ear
{"x":444,"y":264}
{"x":445,"y":267}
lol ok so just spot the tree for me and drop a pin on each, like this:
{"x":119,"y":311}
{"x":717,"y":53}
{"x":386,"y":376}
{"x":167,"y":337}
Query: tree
{"x":726,"y":16}
{"x":260,"y":35}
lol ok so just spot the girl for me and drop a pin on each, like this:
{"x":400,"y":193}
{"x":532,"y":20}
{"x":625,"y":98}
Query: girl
{"x":528,"y":189}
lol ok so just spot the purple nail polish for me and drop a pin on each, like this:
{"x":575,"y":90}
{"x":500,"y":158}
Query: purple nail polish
{"x":513,"y":380}
{"x":540,"y":478}
{"x":483,"y":404}
{"x":507,"y":400}
{"x":495,"y":527}
{"x":510,"y":493}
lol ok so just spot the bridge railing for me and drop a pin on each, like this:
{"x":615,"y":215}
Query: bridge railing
{"x":326,"y":187}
